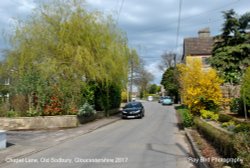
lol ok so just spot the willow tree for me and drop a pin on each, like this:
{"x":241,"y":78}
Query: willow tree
{"x":66,"y":46}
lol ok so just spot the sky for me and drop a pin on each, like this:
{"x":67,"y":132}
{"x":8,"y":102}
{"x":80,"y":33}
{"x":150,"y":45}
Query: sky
{"x":150,"y":25}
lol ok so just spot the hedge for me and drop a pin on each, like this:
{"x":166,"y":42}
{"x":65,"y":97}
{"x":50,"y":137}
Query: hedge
{"x":222,"y":142}
{"x":185,"y":117}
{"x":235,"y":145}
{"x":243,"y":126}
{"x":224,"y":117}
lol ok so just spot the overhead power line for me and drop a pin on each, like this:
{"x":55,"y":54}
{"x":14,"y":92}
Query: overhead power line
{"x":178,"y":24}
{"x":210,"y":11}
{"x":119,"y":11}
{"x":205,"y":13}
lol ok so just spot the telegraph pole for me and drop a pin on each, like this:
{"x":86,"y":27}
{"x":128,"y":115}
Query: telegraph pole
{"x":177,"y":42}
{"x":131,"y":78}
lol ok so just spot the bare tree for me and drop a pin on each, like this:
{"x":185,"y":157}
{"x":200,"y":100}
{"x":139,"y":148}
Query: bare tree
{"x":134,"y":63}
{"x":168,"y":60}
{"x":142,"y":78}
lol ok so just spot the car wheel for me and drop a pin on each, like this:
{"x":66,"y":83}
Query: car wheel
{"x":140,"y":117}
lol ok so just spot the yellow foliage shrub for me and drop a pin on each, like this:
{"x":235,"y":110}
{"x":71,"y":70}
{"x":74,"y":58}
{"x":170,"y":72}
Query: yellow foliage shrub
{"x":199,"y":87}
{"x":124,"y":96}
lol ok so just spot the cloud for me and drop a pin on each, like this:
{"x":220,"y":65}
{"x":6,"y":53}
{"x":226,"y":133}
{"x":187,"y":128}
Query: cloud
{"x":9,"y":12}
{"x":151,"y":26}
{"x":25,"y":6}
{"x":153,"y":69}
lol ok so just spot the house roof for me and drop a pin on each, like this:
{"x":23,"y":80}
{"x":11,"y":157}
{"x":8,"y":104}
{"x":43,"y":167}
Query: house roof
{"x":198,"y":46}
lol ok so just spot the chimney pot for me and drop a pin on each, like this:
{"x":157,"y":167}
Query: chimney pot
{"x":203,"y":33}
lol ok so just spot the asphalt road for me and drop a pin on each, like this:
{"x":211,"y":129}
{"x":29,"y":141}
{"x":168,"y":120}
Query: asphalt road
{"x":151,"y":142}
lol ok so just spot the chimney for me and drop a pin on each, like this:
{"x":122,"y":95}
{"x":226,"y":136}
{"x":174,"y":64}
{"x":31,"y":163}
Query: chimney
{"x":204,"y":33}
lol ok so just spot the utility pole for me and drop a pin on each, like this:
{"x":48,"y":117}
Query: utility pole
{"x":131,"y":78}
{"x":177,"y":42}
{"x":176,"y":97}
{"x":127,"y":92}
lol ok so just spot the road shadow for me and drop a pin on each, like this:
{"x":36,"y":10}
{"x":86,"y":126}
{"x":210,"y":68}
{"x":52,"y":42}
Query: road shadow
{"x":8,"y":144}
{"x":178,"y":145}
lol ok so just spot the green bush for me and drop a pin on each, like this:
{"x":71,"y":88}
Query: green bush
{"x":209,"y":104}
{"x":206,"y":114}
{"x":243,"y":127}
{"x":115,"y":96}
{"x":219,"y":139}
{"x":4,"y":108}
{"x":19,"y":103}
{"x":107,"y":97}
{"x":224,"y":118}
{"x":33,"y":113}
{"x":12,"y":113}
{"x":242,"y":145}
{"x":235,"y":145}
{"x":86,"y":110}
{"x":235,"y":105}
{"x":230,"y":125}
{"x":245,"y":87}
{"x":186,"y":117}
{"x":230,"y":122}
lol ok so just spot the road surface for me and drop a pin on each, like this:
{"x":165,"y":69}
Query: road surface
{"x":151,"y":142}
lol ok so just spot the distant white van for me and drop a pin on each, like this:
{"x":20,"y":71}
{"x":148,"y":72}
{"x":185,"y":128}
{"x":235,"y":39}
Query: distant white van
{"x":150,"y":98}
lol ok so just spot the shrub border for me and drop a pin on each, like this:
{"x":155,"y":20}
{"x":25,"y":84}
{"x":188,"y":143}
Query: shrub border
{"x":220,"y":139}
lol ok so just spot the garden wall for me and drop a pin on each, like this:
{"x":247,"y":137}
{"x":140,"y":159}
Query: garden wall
{"x":42,"y":122}
{"x":230,"y":91}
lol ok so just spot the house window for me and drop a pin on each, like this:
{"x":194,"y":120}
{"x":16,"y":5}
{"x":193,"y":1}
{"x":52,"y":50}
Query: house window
{"x":205,"y":61}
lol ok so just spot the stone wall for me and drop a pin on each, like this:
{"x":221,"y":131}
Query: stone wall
{"x":230,"y":91}
{"x":42,"y":122}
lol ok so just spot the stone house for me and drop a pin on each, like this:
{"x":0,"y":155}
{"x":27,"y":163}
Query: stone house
{"x":199,"y":47}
